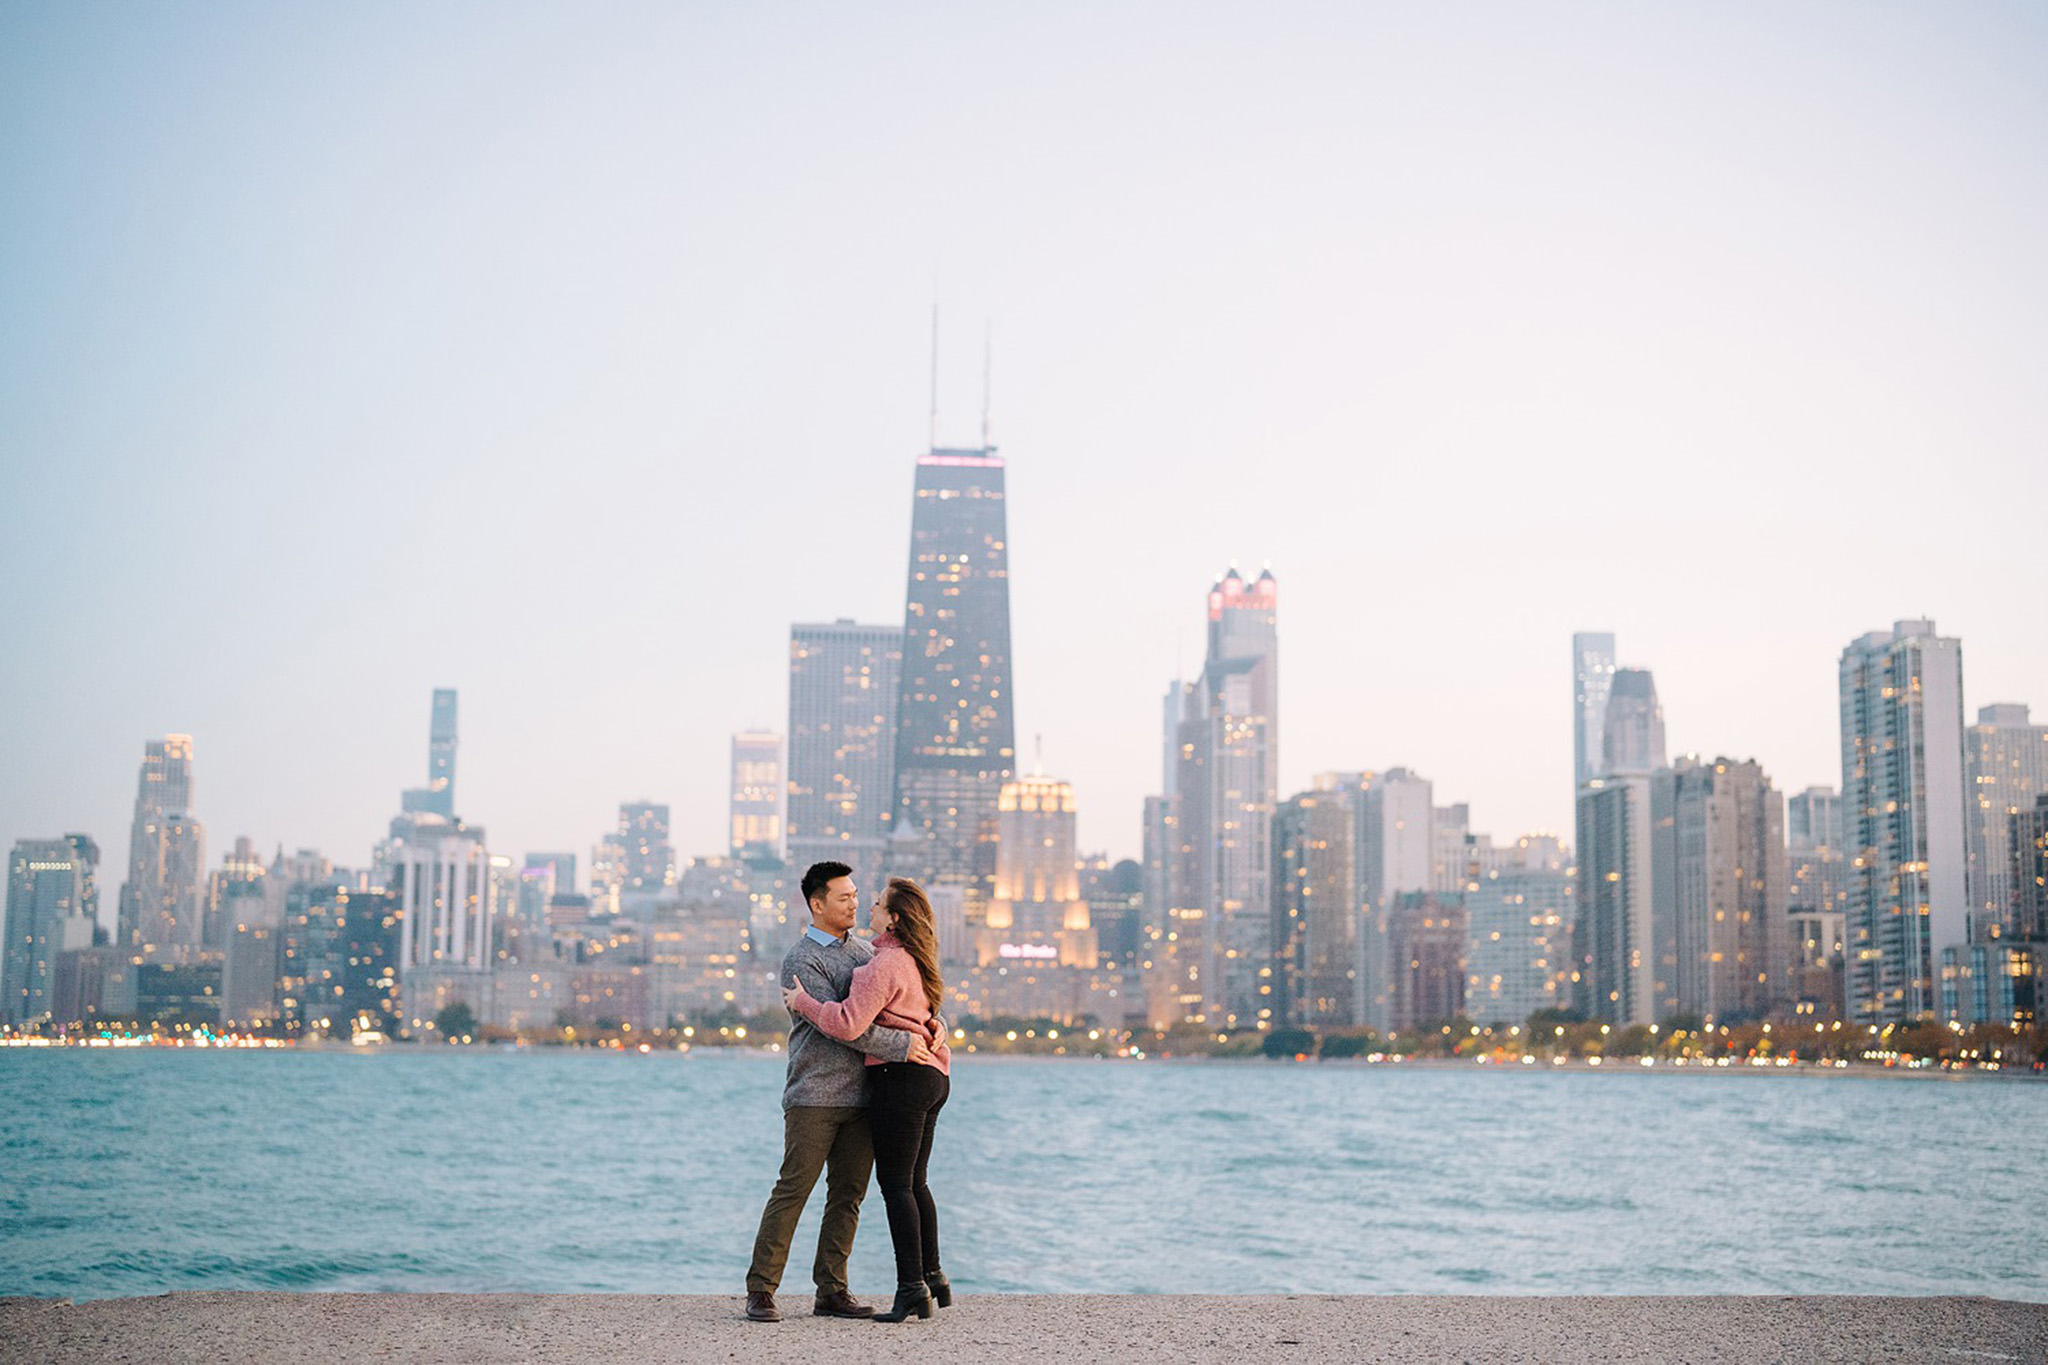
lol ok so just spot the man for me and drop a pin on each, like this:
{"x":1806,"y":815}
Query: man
{"x":824,"y":1107}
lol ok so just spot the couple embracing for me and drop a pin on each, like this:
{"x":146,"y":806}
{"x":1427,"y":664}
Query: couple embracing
{"x":868,"y":1073}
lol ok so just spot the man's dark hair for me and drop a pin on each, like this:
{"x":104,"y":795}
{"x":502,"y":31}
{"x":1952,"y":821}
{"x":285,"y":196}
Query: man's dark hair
{"x":821,"y":874}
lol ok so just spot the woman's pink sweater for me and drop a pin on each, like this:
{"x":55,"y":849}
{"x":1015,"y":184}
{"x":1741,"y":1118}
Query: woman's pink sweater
{"x":887,"y":990}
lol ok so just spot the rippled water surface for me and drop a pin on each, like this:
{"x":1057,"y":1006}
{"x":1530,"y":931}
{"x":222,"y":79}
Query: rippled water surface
{"x":138,"y":1172}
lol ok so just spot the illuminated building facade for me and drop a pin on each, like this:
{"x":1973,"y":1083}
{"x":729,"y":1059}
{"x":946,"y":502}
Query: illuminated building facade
{"x":341,"y":947}
{"x":1516,"y":910}
{"x":956,"y":739}
{"x":1721,"y":928}
{"x":1115,"y":892}
{"x":757,"y":794}
{"x":1037,"y":913}
{"x":1317,"y":977}
{"x":843,"y":684}
{"x":1227,"y":747}
{"x":2008,"y":768}
{"x":647,"y":866}
{"x":2027,"y":852}
{"x":1612,"y":934}
{"x":1426,"y":939}
{"x":1905,"y":817}
{"x":1816,"y":897}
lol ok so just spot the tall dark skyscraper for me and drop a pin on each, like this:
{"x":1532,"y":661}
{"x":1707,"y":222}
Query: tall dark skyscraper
{"x":956,"y":741}
{"x":438,"y":796}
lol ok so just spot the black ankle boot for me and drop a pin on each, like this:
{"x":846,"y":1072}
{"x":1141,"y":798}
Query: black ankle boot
{"x":941,"y":1287}
{"x":912,"y":1298}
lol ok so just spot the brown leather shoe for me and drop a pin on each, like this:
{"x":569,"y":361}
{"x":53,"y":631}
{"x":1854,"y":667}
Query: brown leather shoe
{"x":761,"y":1306}
{"x":840,"y":1304}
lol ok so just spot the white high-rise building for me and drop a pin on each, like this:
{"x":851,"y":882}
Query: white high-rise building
{"x":1592,"y":680}
{"x":1905,"y":816}
{"x":441,"y":874}
{"x":1399,"y":836}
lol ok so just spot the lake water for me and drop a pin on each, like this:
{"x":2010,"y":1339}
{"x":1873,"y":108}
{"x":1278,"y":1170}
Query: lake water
{"x":144,"y":1171}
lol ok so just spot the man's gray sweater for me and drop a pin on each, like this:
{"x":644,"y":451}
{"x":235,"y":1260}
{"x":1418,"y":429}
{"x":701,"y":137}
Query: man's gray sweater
{"x":824,"y":1071}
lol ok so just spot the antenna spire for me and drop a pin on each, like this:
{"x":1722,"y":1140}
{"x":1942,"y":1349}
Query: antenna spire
{"x":988,"y":331}
{"x":934,"y":433}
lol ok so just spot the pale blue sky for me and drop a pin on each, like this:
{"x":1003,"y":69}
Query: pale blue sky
{"x":566,"y":354}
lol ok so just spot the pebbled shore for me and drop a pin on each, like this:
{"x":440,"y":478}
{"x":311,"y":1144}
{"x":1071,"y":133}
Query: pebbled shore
{"x":312,"y":1329}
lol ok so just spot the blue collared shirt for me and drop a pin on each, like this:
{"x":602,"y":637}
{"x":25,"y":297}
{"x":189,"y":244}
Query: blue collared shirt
{"x":821,"y":938}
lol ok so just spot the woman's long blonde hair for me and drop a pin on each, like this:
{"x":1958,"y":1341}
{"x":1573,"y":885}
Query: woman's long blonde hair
{"x":914,"y":929}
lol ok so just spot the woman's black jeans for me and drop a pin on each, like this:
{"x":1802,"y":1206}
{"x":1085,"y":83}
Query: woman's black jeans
{"x":904,"y":1100}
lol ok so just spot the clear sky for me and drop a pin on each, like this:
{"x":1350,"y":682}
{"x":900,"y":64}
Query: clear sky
{"x":566,"y":354}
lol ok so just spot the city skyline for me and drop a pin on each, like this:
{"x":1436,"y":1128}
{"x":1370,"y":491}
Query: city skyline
{"x":358,"y":425}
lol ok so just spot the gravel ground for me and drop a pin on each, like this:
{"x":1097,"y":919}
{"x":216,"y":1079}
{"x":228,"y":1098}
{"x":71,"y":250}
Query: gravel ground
{"x":311,"y":1329}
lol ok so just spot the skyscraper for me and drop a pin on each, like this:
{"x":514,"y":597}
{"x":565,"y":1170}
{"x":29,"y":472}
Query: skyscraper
{"x":162,"y":902}
{"x":1592,"y":679}
{"x":1516,"y":916}
{"x":843,"y":685}
{"x":442,"y":885}
{"x":1612,"y":964}
{"x":438,"y":796}
{"x":49,"y":910}
{"x":1816,"y":894}
{"x":1317,"y":978}
{"x":1426,"y":940}
{"x":1721,"y":930}
{"x":956,"y":740}
{"x":1038,"y":905}
{"x":648,"y":864}
{"x":1613,"y":937}
{"x":757,"y":794}
{"x":2008,"y":768}
{"x":2027,"y":853}
{"x":1632,"y":735}
{"x":1398,"y":841}
{"x":1227,"y":786}
{"x":235,"y":893}
{"x":1905,"y":817}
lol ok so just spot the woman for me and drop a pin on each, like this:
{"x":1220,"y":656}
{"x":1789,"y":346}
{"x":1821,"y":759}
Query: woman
{"x":900,"y":987}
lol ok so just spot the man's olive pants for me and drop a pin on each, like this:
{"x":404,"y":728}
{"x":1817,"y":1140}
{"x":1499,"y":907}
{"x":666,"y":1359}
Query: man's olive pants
{"x":815,"y":1138}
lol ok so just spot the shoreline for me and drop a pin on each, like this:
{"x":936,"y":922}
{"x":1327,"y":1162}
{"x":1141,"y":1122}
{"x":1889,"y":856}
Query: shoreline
{"x":316,"y":1329}
{"x":1535,"y":1067}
